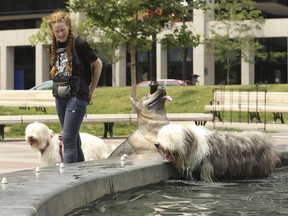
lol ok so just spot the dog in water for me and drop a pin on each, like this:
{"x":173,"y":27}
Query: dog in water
{"x":198,"y":153}
{"x":50,"y":146}
{"x":151,"y":116}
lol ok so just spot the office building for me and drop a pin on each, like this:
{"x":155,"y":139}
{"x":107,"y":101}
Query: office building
{"x":23,"y":66}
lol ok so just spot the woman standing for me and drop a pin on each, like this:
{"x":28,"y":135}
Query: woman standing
{"x":70,"y":86}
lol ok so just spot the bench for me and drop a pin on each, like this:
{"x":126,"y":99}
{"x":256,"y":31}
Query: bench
{"x":107,"y":119}
{"x":110,"y":119}
{"x":253,"y":102}
{"x":40,"y":99}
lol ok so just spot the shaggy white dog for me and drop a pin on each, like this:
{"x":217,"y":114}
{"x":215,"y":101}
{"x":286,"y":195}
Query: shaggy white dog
{"x":49,"y":144}
{"x":198,"y":153}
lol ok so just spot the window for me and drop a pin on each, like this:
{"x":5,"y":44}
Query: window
{"x":21,"y":7}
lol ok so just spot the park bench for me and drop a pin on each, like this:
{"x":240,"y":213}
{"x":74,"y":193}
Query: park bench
{"x":40,"y":99}
{"x":252,"y":102}
{"x":107,"y":119}
{"x":26,"y":99}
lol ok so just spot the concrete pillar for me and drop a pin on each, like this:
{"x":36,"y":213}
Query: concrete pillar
{"x":119,"y":67}
{"x":247,"y":73}
{"x":162,"y":62}
{"x":7,"y":68}
{"x":209,"y":69}
{"x":203,"y":62}
{"x":287,"y":61}
{"x":42,"y":60}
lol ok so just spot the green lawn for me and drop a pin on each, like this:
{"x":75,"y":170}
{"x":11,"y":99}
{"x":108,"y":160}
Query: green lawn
{"x":116,"y":100}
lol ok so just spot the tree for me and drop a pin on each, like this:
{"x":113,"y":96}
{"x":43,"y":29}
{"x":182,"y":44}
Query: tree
{"x":132,"y":22}
{"x":232,"y":34}
{"x":112,"y":23}
{"x":105,"y":46}
{"x":44,"y":34}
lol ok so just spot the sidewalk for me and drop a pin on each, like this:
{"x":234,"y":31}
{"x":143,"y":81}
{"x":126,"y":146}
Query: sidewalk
{"x":16,"y":155}
{"x":270,"y":127}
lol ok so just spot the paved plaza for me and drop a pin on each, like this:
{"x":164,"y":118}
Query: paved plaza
{"x":16,"y":155}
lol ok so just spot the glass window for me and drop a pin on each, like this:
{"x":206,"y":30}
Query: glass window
{"x":176,"y":54}
{"x":142,"y":57}
{"x":272,"y":69}
{"x":20,"y":7}
{"x":176,"y":69}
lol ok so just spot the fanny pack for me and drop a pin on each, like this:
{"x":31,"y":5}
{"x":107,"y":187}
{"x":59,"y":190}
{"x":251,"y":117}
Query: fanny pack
{"x":61,"y":89}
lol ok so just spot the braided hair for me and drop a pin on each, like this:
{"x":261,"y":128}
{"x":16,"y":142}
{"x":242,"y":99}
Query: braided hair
{"x":58,"y":17}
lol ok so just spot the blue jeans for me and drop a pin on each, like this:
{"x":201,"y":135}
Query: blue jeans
{"x":71,"y":112}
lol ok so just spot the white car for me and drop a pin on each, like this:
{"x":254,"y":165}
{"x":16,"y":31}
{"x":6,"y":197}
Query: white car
{"x":47,"y":85}
{"x":166,"y":82}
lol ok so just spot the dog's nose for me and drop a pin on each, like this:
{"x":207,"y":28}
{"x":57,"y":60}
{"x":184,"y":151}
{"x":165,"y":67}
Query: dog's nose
{"x":30,"y":138}
{"x":157,"y":144}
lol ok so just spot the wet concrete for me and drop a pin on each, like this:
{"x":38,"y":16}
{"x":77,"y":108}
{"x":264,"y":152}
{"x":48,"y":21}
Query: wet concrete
{"x":56,"y":191}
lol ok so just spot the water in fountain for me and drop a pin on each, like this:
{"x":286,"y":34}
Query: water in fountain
{"x":268,"y":196}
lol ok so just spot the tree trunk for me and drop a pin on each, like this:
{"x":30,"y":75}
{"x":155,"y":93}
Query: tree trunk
{"x":133,"y":73}
{"x":133,"y":70}
{"x":228,"y":72}
{"x":228,"y":76}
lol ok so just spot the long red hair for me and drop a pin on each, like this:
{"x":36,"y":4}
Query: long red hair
{"x":58,"y":17}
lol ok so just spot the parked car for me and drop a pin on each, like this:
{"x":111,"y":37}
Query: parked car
{"x":47,"y":85}
{"x":166,"y":82}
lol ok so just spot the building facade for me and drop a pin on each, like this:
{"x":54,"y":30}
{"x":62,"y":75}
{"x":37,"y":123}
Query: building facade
{"x":23,"y":66}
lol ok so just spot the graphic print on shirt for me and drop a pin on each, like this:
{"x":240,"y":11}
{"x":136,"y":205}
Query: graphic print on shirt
{"x":61,"y":63}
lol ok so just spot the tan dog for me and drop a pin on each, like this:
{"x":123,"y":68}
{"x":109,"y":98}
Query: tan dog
{"x":49,"y":144}
{"x":151,"y":115}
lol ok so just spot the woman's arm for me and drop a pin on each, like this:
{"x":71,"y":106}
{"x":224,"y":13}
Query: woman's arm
{"x":95,"y":76}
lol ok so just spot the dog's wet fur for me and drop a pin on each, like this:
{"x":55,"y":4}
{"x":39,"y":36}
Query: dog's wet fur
{"x":201,"y":154}
{"x":151,"y":115}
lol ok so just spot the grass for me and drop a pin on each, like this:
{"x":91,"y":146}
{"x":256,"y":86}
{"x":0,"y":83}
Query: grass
{"x":186,"y":99}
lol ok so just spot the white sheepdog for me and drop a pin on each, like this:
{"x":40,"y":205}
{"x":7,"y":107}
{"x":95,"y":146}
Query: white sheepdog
{"x":49,"y":144}
{"x":198,"y":153}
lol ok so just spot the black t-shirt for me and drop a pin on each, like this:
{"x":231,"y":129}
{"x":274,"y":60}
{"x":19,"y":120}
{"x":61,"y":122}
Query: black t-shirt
{"x":78,"y":84}
{"x":84,"y":52}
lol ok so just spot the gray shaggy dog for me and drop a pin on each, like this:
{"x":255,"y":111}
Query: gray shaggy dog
{"x":201,"y":154}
